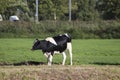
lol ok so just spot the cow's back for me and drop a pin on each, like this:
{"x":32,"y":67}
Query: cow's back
{"x":61,"y":41}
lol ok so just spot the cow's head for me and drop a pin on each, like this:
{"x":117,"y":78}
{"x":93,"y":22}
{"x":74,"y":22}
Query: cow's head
{"x":36,"y":45}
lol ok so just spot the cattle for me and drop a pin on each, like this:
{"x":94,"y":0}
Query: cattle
{"x":53,"y":45}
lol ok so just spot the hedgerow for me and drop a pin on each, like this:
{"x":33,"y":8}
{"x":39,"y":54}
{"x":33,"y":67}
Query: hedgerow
{"x":78,"y":29}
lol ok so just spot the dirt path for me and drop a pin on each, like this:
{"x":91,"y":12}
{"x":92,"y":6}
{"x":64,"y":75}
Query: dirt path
{"x":82,"y":72}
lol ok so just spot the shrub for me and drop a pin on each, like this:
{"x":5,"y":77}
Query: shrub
{"x":78,"y":29}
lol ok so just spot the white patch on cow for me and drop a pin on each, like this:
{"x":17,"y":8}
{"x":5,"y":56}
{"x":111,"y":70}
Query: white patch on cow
{"x":46,"y":55}
{"x":64,"y":58}
{"x":51,"y":40}
{"x":50,"y":60}
{"x":66,"y":34}
{"x":69,"y":47}
{"x":56,"y":52}
{"x":35,"y":41}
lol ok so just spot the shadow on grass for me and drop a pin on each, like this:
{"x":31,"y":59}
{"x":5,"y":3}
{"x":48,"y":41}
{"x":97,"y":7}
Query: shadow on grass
{"x":29,"y":63}
{"x":101,"y":63}
{"x":45,"y":63}
{"x":26,"y":63}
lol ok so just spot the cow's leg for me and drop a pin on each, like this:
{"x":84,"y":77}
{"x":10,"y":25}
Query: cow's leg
{"x":46,"y":55}
{"x":64,"y":58}
{"x":50,"y":59}
{"x":69,"y":47}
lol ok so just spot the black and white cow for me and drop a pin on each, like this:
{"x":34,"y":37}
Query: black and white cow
{"x":52,"y":45}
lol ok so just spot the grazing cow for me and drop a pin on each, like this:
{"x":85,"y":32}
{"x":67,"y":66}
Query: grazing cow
{"x":52,"y":45}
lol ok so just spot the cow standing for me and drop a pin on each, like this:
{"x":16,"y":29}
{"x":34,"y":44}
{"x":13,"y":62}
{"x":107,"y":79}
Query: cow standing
{"x":52,"y":45}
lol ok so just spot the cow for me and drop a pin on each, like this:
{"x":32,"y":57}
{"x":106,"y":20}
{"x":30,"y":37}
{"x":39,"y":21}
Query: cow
{"x":53,"y":45}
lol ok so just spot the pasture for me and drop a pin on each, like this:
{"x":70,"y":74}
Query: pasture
{"x":93,"y":59}
{"x":91,"y":51}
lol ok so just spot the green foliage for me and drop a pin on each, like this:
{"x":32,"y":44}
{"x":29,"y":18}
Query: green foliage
{"x":46,"y":10}
{"x":49,"y":9}
{"x":78,"y":30}
{"x":5,"y":3}
{"x":85,"y":10}
{"x":109,"y":9}
{"x":14,"y":7}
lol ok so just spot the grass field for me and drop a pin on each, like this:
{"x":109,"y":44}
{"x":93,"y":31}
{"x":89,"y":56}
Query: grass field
{"x":91,"y":51}
{"x":93,"y":59}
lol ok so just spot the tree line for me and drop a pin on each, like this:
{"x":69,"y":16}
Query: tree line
{"x":84,"y":10}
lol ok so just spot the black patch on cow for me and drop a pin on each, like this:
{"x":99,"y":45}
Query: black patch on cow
{"x":44,"y":45}
{"x":47,"y":46}
{"x":62,"y":38}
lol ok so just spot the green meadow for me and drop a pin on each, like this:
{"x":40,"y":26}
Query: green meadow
{"x":89,"y":51}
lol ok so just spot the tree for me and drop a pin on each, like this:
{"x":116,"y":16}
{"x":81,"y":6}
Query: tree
{"x":4,"y":4}
{"x":109,"y":9}
{"x":14,"y":7}
{"x":86,"y":10}
{"x":61,"y":9}
{"x":46,"y":9}
{"x":50,"y":9}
